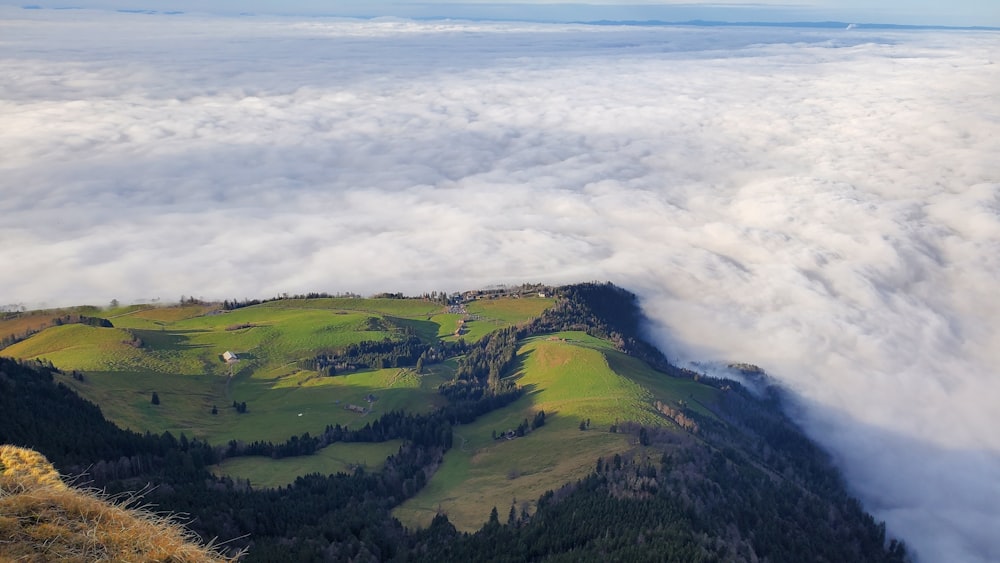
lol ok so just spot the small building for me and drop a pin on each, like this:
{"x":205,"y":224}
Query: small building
{"x":229,"y":357}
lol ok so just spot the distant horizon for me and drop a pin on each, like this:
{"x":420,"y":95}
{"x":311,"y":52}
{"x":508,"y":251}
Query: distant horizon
{"x":697,"y":22}
{"x":974,"y":14}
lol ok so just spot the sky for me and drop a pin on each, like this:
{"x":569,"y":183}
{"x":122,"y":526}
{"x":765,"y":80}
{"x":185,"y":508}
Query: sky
{"x":822,"y":203}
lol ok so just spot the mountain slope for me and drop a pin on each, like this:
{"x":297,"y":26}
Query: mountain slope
{"x":671,"y":465}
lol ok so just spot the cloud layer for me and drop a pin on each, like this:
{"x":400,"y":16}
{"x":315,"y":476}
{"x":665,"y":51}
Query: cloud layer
{"x":824,"y":204}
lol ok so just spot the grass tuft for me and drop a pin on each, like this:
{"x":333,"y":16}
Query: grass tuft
{"x":43,"y":519}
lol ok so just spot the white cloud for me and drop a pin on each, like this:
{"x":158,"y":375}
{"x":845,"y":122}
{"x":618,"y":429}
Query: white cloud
{"x":823,"y":204}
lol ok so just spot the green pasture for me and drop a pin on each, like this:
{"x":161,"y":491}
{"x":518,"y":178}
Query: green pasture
{"x":274,"y":405}
{"x":671,"y":390}
{"x":447,"y":325}
{"x":185,"y":401}
{"x":276,"y":408}
{"x":570,"y":377}
{"x":488,"y":315}
{"x":147,"y":316}
{"x":335,"y":458}
{"x":510,"y":311}
{"x":181,"y":359}
{"x":83,"y":347}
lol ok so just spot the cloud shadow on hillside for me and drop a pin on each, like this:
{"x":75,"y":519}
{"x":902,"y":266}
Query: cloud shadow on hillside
{"x":172,"y":340}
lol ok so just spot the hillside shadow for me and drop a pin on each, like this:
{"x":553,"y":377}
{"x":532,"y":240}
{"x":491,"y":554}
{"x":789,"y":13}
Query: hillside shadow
{"x":530,"y":390}
{"x":518,"y":369}
{"x":163,"y":340}
{"x":425,"y":330}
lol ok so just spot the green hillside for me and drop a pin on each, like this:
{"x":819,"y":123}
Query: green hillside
{"x":177,"y":353}
{"x":574,"y":378}
{"x":571,"y":376}
{"x":376,"y":430}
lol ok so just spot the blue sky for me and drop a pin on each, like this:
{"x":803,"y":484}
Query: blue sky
{"x":925,"y":12}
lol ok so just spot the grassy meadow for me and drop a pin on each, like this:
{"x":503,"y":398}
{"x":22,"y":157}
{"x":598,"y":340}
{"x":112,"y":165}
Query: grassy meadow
{"x":177,"y":352}
{"x":335,"y":458}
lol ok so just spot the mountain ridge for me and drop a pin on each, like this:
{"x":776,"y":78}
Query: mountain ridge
{"x":725,"y":465}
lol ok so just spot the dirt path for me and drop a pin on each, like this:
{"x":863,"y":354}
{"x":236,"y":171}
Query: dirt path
{"x":130,"y":313}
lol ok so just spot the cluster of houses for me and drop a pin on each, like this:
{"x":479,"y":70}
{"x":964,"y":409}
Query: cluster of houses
{"x":506,"y":291}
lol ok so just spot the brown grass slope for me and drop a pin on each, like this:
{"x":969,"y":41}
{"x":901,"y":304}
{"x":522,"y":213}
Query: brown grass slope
{"x":43,"y":519}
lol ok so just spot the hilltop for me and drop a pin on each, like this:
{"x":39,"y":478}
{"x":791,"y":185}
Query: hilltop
{"x":538,"y":420}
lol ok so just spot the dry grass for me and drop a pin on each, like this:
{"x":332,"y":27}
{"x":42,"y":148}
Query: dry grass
{"x":43,"y":519}
{"x":16,"y":326}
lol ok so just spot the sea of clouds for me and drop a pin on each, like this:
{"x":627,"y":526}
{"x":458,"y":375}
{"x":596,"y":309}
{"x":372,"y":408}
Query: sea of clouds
{"x":825,"y":204}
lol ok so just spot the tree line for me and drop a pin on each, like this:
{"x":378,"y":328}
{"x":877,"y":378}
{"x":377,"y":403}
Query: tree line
{"x":233,"y":304}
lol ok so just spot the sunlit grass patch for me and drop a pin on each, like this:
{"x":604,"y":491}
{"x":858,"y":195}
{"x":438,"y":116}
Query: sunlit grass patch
{"x":173,"y":314}
{"x":510,"y":310}
{"x":335,"y":458}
